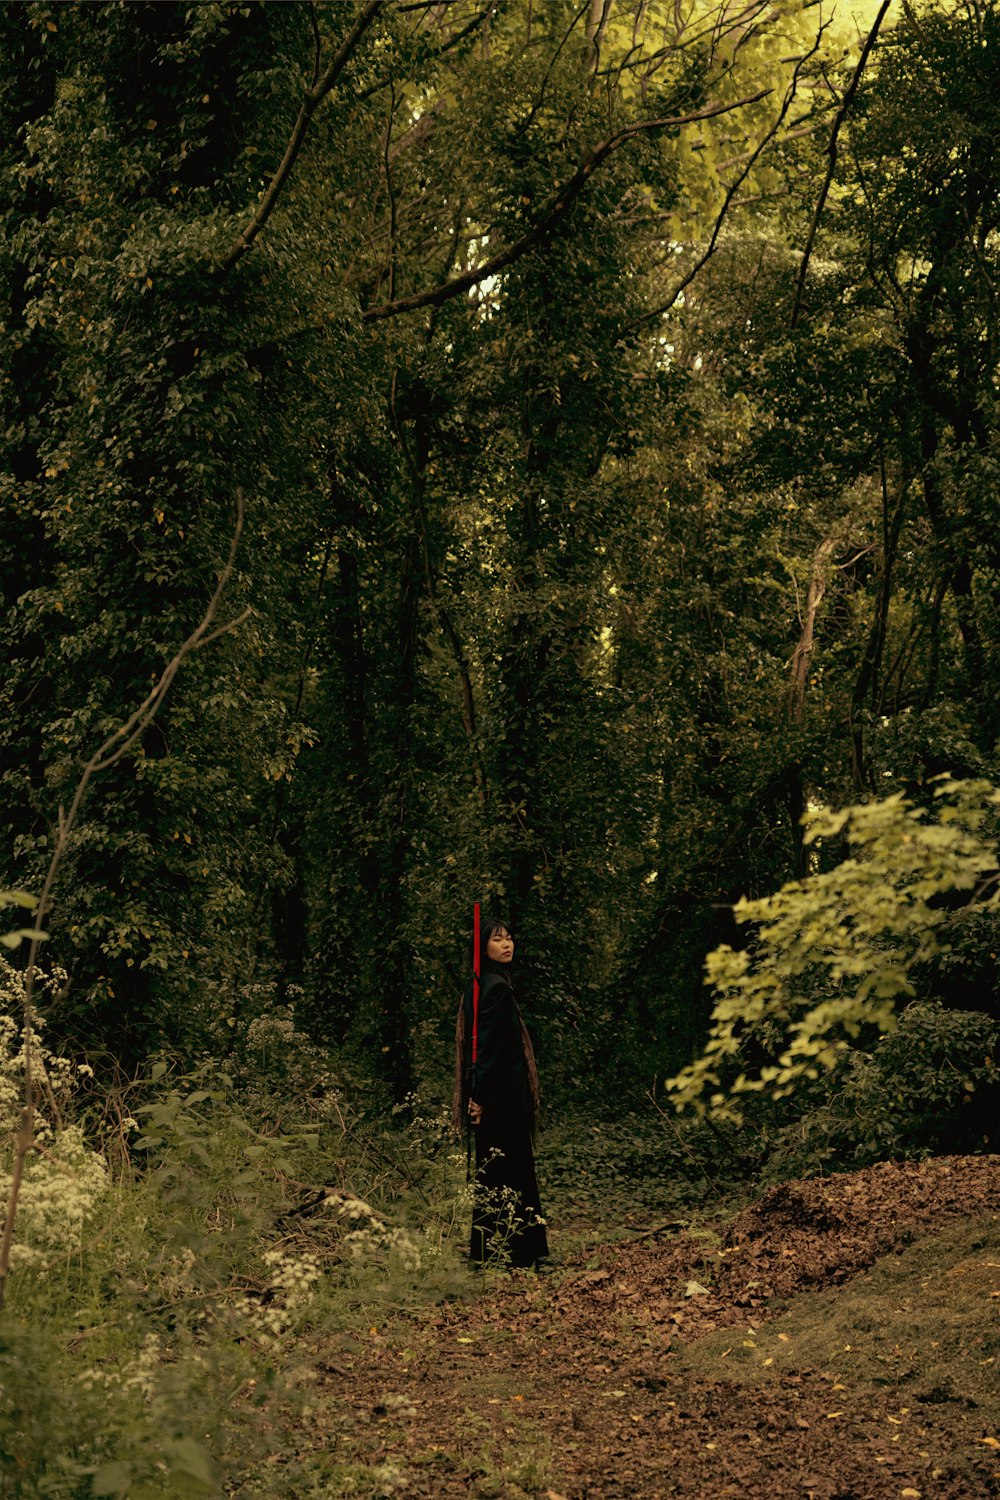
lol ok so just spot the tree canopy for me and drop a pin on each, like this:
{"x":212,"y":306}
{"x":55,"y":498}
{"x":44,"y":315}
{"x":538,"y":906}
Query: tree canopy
{"x":612,"y":387}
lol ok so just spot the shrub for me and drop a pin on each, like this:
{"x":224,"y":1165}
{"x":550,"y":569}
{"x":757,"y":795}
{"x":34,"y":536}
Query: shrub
{"x":64,"y":1179}
{"x":833,"y":954}
{"x":166,"y":1357}
{"x":930,"y":1087}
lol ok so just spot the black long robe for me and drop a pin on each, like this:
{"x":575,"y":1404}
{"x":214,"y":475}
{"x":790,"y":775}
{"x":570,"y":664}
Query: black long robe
{"x":507,"y":1216}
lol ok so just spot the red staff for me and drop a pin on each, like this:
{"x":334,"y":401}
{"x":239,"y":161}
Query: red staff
{"x":475,"y":988}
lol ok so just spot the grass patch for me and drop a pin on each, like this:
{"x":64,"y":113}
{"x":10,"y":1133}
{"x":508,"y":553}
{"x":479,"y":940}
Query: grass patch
{"x":922,"y":1326}
{"x":604,"y":1180}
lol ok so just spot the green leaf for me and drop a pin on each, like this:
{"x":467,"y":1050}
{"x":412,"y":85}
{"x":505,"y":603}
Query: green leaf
{"x":18,"y":898}
{"x":20,"y":935}
{"x":192,"y":1462}
{"x":834,"y":953}
{"x":114,"y":1478}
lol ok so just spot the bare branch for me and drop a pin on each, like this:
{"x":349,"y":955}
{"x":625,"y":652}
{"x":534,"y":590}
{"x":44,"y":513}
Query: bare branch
{"x":405,"y":6}
{"x":540,"y":100}
{"x":734,"y":188}
{"x":795,"y":133}
{"x":391,"y":195}
{"x":802,"y":655}
{"x":553,"y":213}
{"x":597,"y":24}
{"x":459,"y":654}
{"x":841,"y":115}
{"x":479,"y":21}
{"x":113,"y":748}
{"x":413,"y":135}
{"x":746,"y":18}
{"x":313,"y":98}
{"x":317,"y":43}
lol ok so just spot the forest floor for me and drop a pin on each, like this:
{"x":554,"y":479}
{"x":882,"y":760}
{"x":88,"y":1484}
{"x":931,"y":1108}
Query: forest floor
{"x":837,"y":1338}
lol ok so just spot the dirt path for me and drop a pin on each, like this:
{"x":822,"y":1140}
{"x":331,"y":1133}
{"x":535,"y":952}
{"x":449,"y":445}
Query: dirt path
{"x":582,"y":1384}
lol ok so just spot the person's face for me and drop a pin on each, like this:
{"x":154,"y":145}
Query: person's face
{"x":500,"y":946}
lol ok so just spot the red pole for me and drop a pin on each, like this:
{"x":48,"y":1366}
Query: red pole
{"x":475,"y":982}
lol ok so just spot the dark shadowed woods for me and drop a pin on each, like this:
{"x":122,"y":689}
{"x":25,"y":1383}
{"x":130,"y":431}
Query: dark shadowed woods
{"x":608,"y":393}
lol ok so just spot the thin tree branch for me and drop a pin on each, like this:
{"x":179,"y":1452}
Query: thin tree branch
{"x":597,"y":24}
{"x":317,"y":43}
{"x":734,"y":188}
{"x":391,"y":195}
{"x":406,"y":6}
{"x":540,"y":99}
{"x":113,"y":748}
{"x":480,"y":20}
{"x":653,"y":60}
{"x":839,"y":119}
{"x":556,"y":210}
{"x":314,"y":96}
{"x":866,"y":684}
{"x":418,"y":486}
{"x":469,"y":719}
{"x":797,"y":131}
{"x":455,"y":41}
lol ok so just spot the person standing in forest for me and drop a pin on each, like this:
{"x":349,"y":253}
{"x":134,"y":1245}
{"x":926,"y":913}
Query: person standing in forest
{"x":498,"y":1099}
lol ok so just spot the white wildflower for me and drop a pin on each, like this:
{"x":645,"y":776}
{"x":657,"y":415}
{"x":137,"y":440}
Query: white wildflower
{"x":63,"y":1179}
{"x":291,"y":1287}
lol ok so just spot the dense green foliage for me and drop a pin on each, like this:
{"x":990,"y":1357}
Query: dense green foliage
{"x":154,"y":1350}
{"x":833,"y":953}
{"x":620,"y":549}
{"x":574,"y":582}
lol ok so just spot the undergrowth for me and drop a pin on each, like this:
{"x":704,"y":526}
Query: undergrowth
{"x":161,"y":1344}
{"x":161,"y":1337}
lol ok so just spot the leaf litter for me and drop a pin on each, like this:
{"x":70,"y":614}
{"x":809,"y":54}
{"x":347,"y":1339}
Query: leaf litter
{"x":625,"y":1384}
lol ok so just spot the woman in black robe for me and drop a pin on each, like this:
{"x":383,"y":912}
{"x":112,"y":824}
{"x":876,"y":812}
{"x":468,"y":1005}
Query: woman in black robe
{"x":499,"y":1099}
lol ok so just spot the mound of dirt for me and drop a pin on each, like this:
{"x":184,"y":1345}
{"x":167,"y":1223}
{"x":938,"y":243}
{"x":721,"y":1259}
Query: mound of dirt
{"x":584,"y":1373}
{"x":820,"y":1233}
{"x":798,"y":1236}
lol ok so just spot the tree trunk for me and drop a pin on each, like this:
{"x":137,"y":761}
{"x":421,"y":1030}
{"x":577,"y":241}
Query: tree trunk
{"x":866,"y":686}
{"x":802,"y":655}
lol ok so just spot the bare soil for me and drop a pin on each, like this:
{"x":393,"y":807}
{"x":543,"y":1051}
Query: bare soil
{"x":587,"y":1382}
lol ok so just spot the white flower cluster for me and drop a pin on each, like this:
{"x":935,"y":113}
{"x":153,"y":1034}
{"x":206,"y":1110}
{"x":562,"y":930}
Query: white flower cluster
{"x":375,"y":1238}
{"x":275,"y":1031}
{"x":58,"y":1194}
{"x":176,"y":1276}
{"x":274,"y":1055}
{"x":377,"y":1241}
{"x":140,"y":1375}
{"x":292,"y":1277}
{"x":291,"y":1287}
{"x":429,"y":1131}
{"x":63,"y":1178}
{"x":55,"y":1076}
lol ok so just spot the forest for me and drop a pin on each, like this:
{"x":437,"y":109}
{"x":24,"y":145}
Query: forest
{"x":541,"y":454}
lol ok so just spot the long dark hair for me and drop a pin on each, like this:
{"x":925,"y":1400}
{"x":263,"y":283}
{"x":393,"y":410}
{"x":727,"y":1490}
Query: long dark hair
{"x":487,"y":927}
{"x":460,"y":1098}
